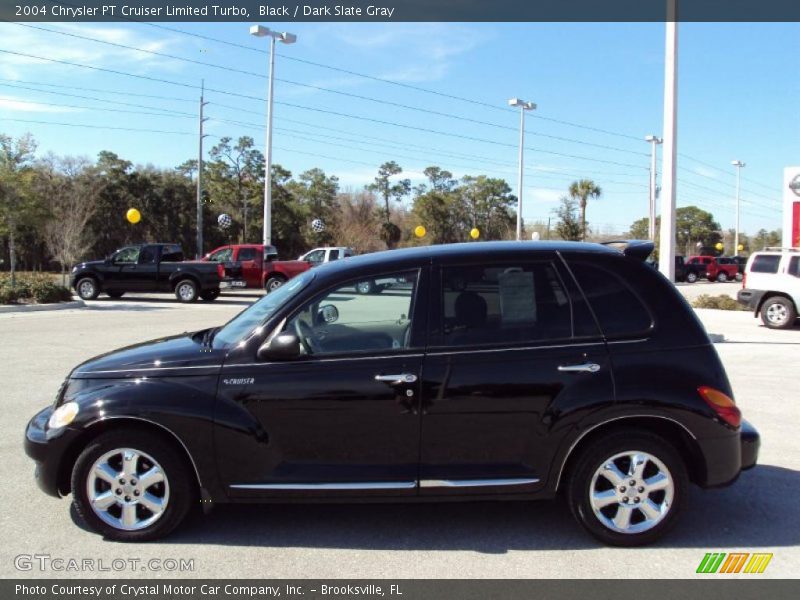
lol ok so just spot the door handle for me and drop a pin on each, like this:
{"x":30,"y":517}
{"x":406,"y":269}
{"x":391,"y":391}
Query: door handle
{"x":584,"y":368}
{"x":395,"y":379}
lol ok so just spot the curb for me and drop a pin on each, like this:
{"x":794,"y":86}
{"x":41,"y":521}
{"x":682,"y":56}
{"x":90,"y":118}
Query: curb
{"x":18,"y":308}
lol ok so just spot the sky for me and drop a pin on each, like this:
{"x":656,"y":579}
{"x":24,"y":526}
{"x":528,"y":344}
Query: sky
{"x":436,"y":94}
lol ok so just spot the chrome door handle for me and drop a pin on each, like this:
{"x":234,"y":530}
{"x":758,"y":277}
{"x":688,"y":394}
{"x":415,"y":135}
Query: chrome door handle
{"x":584,"y":368}
{"x":395,"y":379}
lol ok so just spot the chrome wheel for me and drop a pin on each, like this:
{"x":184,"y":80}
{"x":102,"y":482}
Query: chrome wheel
{"x":631,"y":492}
{"x":186,"y":292}
{"x":777,"y":313}
{"x":364,"y":287}
{"x":274,"y":284}
{"x":86,"y":289}
{"x":127,"y":489}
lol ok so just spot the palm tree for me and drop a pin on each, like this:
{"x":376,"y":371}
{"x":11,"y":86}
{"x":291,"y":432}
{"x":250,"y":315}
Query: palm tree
{"x":583,"y":190}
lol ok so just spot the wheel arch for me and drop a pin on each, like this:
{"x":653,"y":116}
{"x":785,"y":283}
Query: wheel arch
{"x":667,"y":428}
{"x":98,"y":279}
{"x":106,"y":424}
{"x":179,"y":276}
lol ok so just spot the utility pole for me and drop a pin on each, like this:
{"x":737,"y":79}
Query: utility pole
{"x":200,"y":176}
{"x":651,"y":218}
{"x":738,"y":164}
{"x":523,"y":106}
{"x":666,"y":257}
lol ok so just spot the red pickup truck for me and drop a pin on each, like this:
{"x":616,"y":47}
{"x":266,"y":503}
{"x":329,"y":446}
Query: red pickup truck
{"x":255,"y":266}
{"x":714,"y":270}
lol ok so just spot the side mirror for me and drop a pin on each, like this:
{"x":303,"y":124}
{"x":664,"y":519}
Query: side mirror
{"x":329,"y":313}
{"x":284,"y":346}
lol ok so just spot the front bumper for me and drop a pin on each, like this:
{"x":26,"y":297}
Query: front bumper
{"x":48,"y":452}
{"x":750,"y":298}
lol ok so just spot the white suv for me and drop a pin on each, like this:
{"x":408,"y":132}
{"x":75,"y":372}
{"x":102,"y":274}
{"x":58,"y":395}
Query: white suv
{"x":771,"y":286}
{"x":317,"y":256}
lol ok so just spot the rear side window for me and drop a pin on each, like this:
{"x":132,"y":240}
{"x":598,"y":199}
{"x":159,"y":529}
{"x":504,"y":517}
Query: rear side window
{"x":618,"y":309}
{"x":502,"y":304}
{"x":148,"y":255}
{"x":766,"y":263}
{"x":171,"y":254}
{"x":794,"y":266}
{"x":247,"y":254}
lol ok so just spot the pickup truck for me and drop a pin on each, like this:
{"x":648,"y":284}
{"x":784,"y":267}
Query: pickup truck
{"x":147,"y":268}
{"x":255,"y":266}
{"x":712,"y":269}
{"x":317,"y":256}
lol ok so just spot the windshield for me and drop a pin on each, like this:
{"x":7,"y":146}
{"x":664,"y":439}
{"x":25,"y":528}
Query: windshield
{"x":243,"y":324}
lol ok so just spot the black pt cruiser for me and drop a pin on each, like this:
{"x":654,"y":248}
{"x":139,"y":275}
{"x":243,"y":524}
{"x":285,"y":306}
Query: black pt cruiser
{"x":496,"y":370}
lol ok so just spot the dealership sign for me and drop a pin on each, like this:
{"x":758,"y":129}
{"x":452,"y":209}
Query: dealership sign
{"x":791,"y":207}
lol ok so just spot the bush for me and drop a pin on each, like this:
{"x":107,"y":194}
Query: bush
{"x":37,"y":287}
{"x":721,"y":302}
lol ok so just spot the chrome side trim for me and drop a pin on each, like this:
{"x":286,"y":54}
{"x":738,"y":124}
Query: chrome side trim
{"x":448,"y":352}
{"x":593,"y":427}
{"x":628,"y":341}
{"x":459,"y":483}
{"x":319,"y":360}
{"x":167,"y":429}
{"x":137,"y":369}
{"x":365,"y":485}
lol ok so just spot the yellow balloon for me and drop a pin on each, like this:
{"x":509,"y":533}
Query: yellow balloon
{"x":419,"y":231}
{"x":133,"y":216}
{"x":741,"y":247}
{"x":719,"y":246}
{"x":474,"y":233}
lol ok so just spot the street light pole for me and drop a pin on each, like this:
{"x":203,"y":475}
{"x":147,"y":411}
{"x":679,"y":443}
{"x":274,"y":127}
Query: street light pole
{"x":738,"y":164}
{"x":523,"y":106}
{"x":666,"y":255}
{"x":651,"y":221}
{"x":200,"y":176}
{"x":286,"y":38}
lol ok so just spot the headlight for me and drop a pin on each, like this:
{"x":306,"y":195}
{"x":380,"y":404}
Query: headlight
{"x":63,"y":415}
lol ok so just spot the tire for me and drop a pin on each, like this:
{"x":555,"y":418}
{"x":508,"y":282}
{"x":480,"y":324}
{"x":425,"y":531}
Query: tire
{"x":778,"y":312}
{"x":87,"y":288}
{"x":116,"y":294}
{"x":176,"y":493}
{"x":186,"y":291}
{"x":590,"y":476}
{"x":273,"y":283}
{"x":691,"y":277}
{"x":365,"y":287}
{"x":722,"y":277}
{"x":210,"y":295}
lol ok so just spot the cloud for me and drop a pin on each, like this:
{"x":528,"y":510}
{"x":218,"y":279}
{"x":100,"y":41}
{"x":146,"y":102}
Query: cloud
{"x":17,"y":104}
{"x":542,"y":195}
{"x":705,"y":172}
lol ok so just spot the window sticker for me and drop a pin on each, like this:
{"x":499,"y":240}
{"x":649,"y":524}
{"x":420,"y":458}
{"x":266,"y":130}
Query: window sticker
{"x":517,"y":298}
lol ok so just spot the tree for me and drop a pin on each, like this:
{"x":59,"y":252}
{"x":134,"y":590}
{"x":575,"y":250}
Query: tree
{"x":359,"y":222}
{"x":640,"y":229}
{"x":71,"y":189}
{"x":16,"y":202}
{"x":693,"y":225}
{"x":383,"y":186}
{"x":568,"y":227}
{"x":316,"y":193}
{"x":488,"y":205}
{"x":439,"y":208}
{"x":582,"y":190}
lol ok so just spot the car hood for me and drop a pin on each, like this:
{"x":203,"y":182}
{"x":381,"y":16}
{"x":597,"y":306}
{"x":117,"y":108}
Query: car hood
{"x":182,"y":355}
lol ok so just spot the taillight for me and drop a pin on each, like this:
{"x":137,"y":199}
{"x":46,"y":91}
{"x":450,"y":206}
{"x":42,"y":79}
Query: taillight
{"x":722,"y":404}
{"x":221,"y":270}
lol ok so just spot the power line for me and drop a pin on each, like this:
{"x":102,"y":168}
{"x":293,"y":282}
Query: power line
{"x":721,"y":170}
{"x":336,"y":92}
{"x":137,"y":129}
{"x":120,"y":110}
{"x":101,"y":90}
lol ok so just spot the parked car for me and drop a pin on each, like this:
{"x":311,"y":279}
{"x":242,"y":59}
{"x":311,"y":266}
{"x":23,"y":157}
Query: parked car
{"x":147,"y":268}
{"x":317,"y":256}
{"x":771,"y":286}
{"x":682,"y":270}
{"x":499,"y":370}
{"x":255,"y":266}
{"x":710,"y":268}
{"x":739,"y":261}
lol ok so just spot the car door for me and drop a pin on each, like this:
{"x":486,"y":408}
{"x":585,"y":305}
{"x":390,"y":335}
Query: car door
{"x":122,"y":273}
{"x":512,"y":345}
{"x":343,"y":419}
{"x":250,"y":260}
{"x":144,"y":275}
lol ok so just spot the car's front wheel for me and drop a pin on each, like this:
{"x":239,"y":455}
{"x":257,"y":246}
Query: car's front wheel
{"x":691,"y":277}
{"x":131,"y":486}
{"x":87,"y":288}
{"x":778,"y":313}
{"x":627,"y":489}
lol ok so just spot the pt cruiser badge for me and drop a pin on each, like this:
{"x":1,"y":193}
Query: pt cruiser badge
{"x":500,"y":370}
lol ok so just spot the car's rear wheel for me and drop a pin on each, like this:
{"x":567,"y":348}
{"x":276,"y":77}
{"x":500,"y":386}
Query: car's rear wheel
{"x":87,"y":288}
{"x":778,"y":313}
{"x":273,"y":283}
{"x":722,"y":277}
{"x":186,"y":291}
{"x":627,"y":489}
{"x":366,"y":287}
{"x":691,"y":277}
{"x":131,"y":486}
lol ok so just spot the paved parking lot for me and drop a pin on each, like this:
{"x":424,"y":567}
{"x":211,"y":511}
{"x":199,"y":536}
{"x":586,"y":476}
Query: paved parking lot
{"x":502,"y":540}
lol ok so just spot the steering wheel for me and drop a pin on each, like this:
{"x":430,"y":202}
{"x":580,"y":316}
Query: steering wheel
{"x":306,"y":336}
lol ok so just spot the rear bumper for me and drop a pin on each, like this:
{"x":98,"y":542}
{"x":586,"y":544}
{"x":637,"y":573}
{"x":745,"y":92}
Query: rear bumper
{"x":726,"y":457}
{"x":750,"y":443}
{"x":229,"y":283}
{"x":750,"y":298}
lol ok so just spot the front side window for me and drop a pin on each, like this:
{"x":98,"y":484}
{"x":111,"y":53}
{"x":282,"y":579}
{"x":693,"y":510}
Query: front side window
{"x":224,"y":255}
{"x":507,"y":304}
{"x":618,"y":309}
{"x":766,"y":263}
{"x":345,"y":321}
{"x":148,"y":255}
{"x":127,"y":255}
{"x":316,"y":257}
